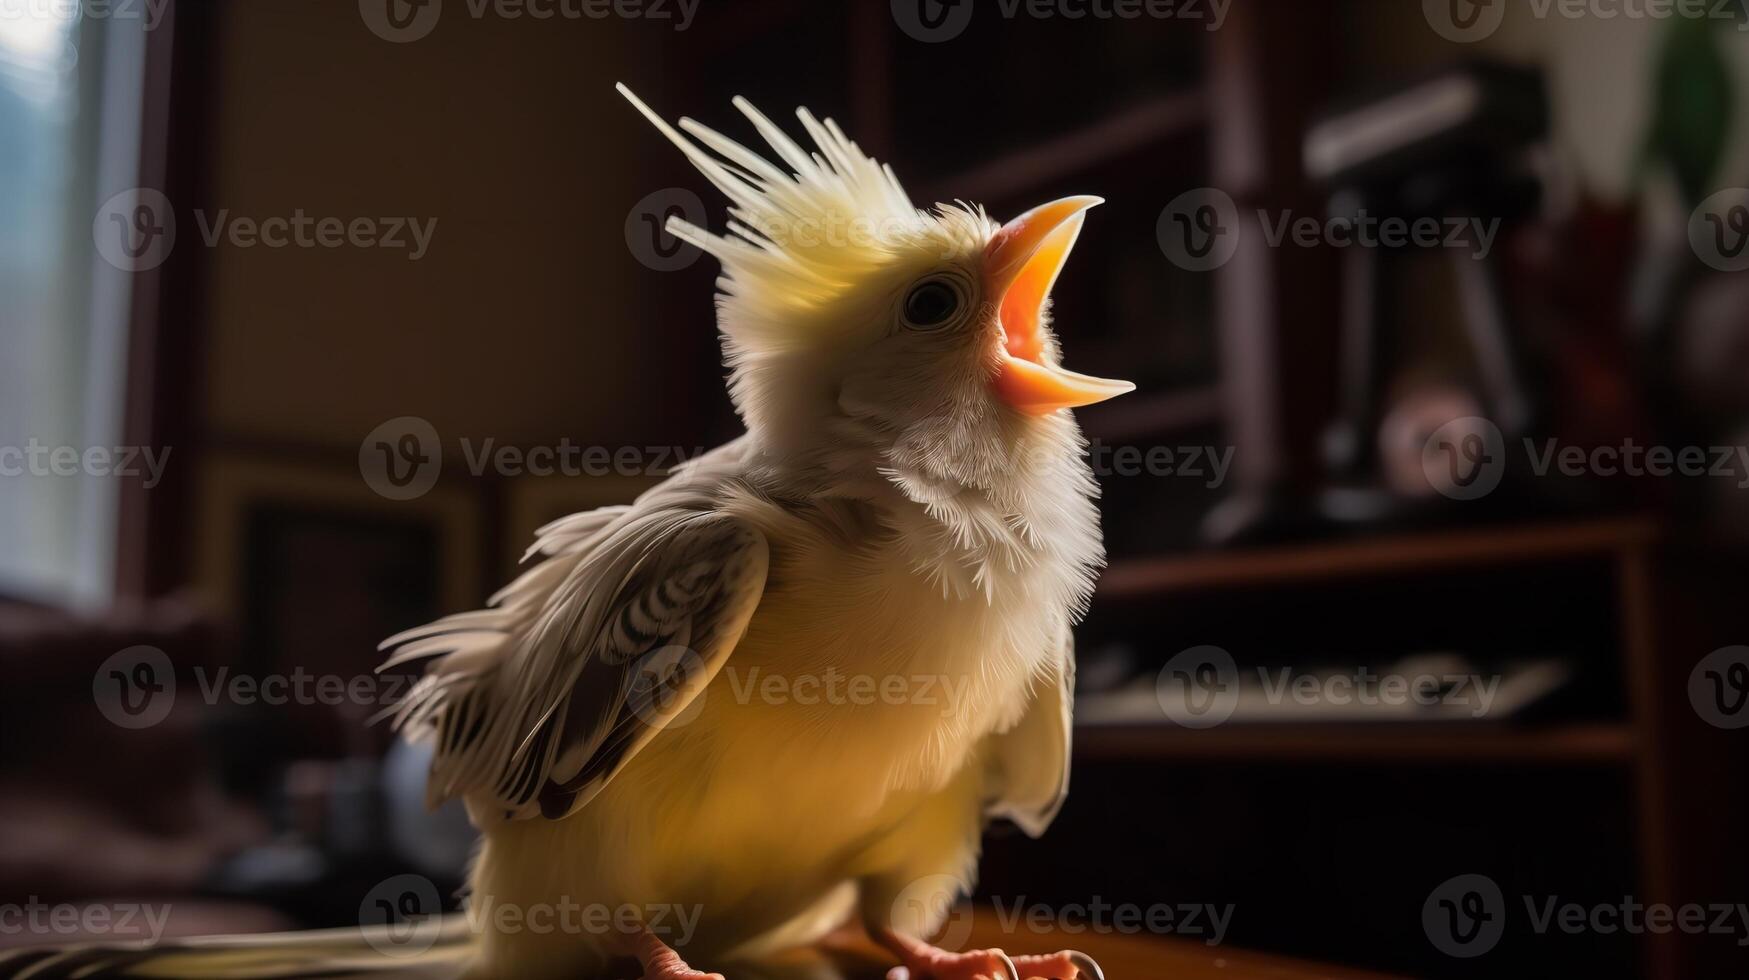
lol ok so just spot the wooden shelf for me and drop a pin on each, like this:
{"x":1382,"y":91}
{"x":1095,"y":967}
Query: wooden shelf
{"x":1589,"y":743}
{"x":1427,"y":552}
{"x":1124,"y":131}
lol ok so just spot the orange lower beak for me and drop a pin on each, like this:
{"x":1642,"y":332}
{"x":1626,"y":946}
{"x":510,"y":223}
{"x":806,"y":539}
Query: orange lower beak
{"x":1021,"y":264}
{"x":1039,"y":389}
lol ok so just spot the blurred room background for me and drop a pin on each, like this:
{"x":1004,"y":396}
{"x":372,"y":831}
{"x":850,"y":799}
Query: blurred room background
{"x":311,"y":311}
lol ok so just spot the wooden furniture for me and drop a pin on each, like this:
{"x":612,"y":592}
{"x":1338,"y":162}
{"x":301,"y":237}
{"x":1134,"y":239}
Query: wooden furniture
{"x":1633,"y":606}
{"x":93,"y":810}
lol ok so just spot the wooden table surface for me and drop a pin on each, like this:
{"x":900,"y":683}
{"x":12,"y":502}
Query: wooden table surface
{"x":1123,"y":957}
{"x":850,"y":956}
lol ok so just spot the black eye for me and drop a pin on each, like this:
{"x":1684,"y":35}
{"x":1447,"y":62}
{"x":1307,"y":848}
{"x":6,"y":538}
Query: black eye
{"x":931,"y":304}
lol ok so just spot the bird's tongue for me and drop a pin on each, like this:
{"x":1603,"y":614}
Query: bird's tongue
{"x":1021,"y":263}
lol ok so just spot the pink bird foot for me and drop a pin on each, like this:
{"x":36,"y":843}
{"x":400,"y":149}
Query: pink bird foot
{"x":925,"y":962}
{"x":661,"y":962}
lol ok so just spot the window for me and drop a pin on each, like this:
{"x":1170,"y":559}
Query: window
{"x":69,"y":130}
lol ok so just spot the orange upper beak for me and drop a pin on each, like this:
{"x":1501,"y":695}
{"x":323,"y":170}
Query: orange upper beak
{"x":1020,"y":266}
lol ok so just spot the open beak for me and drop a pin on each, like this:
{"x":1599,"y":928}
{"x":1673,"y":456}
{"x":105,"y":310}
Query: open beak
{"x":1020,"y":265}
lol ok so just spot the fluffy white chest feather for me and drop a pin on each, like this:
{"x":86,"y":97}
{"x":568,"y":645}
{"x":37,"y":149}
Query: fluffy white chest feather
{"x":856,"y":670}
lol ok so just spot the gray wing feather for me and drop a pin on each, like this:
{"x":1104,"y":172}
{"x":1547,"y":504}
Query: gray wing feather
{"x":534,"y":704}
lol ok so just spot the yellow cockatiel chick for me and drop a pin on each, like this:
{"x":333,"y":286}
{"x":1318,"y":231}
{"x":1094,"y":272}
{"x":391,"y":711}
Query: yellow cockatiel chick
{"x":910,"y":503}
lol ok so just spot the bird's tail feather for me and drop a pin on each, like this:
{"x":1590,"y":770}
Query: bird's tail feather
{"x":380,"y":952}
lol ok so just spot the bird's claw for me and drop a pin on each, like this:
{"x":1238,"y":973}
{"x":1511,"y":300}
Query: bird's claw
{"x":1085,"y":965}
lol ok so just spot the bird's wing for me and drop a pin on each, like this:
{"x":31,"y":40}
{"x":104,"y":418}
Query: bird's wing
{"x":535,"y":704}
{"x":1029,"y":763}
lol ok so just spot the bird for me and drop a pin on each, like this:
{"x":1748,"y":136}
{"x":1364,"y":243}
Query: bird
{"x":661,"y":712}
